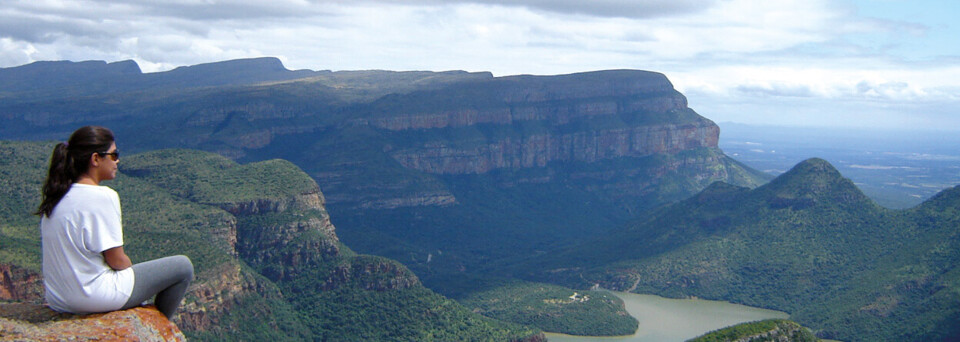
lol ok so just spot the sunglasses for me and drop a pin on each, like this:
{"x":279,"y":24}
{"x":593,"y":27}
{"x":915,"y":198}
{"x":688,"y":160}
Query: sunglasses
{"x":115,"y":155}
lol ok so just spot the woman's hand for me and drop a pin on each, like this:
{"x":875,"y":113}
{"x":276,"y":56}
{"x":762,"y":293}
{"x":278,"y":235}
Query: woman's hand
{"x":116,"y":258}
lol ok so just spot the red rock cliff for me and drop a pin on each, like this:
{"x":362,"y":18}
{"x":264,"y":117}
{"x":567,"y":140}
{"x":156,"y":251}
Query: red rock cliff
{"x":527,"y":121}
{"x":538,"y":150}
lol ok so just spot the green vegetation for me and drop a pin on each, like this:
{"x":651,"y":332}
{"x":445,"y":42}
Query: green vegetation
{"x":554,"y":308}
{"x":769,"y":330}
{"x":20,"y":185}
{"x":209,"y":178}
{"x":808,"y":243}
{"x":506,"y":215}
{"x":312,"y":287}
{"x":156,"y":224}
{"x":414,"y":314}
{"x":264,"y":315}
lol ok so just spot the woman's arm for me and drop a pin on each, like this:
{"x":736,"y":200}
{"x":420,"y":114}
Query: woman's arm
{"x":117,"y":259}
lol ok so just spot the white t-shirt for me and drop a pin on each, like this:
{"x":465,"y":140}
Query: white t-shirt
{"x":76,"y":277}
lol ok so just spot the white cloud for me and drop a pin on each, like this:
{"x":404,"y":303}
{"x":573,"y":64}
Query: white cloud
{"x":600,"y":8}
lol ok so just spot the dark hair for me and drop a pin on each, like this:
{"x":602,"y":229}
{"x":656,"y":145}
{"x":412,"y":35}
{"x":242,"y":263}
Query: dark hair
{"x":71,"y":160}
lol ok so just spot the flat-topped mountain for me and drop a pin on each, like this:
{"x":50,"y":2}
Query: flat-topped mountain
{"x":58,"y":79}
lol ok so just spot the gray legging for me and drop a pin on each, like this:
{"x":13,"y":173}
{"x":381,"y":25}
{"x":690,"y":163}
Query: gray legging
{"x":167,"y":278}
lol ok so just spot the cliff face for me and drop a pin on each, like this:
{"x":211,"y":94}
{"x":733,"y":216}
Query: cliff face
{"x":373,"y":274}
{"x":297,"y":235}
{"x":19,"y":284}
{"x":539,"y":150}
{"x":387,"y":155}
{"x":536,"y":107}
{"x":218,"y":292}
{"x":375,"y":139}
{"x":525,"y":122}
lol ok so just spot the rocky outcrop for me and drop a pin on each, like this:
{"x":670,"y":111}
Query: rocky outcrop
{"x":212,"y":294}
{"x":310,"y":200}
{"x":283,"y":245}
{"x":297,"y":233}
{"x":373,"y":274}
{"x":558,"y":112}
{"x":33,"y":322}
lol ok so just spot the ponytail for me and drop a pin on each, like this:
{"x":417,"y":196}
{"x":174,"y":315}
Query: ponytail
{"x":69,"y":161}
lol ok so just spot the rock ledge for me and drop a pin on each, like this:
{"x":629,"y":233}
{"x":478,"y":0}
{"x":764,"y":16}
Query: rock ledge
{"x":34,"y":322}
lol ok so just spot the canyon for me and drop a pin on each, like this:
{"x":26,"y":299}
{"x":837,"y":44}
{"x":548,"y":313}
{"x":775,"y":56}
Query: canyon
{"x":435,"y":176}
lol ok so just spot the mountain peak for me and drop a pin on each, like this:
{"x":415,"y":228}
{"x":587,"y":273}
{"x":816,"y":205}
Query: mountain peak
{"x":812,"y":181}
{"x":813,"y":169}
{"x":946,"y":200}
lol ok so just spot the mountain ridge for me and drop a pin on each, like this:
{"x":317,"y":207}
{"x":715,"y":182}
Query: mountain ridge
{"x":813,"y":180}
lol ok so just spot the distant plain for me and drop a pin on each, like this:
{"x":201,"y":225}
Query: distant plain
{"x":896,"y":169}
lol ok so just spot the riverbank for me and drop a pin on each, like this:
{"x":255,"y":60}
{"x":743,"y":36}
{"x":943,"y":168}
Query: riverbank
{"x":665,"y":319}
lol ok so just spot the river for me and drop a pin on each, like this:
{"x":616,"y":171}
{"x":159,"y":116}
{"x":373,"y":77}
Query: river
{"x":664,"y":319}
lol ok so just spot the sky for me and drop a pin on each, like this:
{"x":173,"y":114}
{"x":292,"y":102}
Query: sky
{"x":879,"y":64}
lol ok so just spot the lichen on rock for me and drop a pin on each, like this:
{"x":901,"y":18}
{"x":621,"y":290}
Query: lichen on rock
{"x":35,"y":322}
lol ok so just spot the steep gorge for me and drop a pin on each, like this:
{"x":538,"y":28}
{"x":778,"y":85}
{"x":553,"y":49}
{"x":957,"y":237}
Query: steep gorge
{"x":449,"y":173}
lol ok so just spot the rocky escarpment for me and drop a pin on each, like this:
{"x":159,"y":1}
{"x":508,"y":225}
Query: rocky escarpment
{"x":218,"y":292}
{"x":33,"y":322}
{"x":539,"y":150}
{"x":287,"y":238}
{"x":371,"y":273}
{"x":19,"y":284}
{"x":284,"y":235}
{"x":573,"y":127}
{"x":309,"y":200}
{"x":535,"y":107}
{"x":557,"y":100}
{"x":366,"y":135}
{"x":526,"y":121}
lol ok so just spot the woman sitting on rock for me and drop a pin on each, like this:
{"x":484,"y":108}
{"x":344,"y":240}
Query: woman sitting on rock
{"x":85,"y":269}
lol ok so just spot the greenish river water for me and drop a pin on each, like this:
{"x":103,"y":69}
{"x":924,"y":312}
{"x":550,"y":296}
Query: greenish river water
{"x":664,"y":320}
